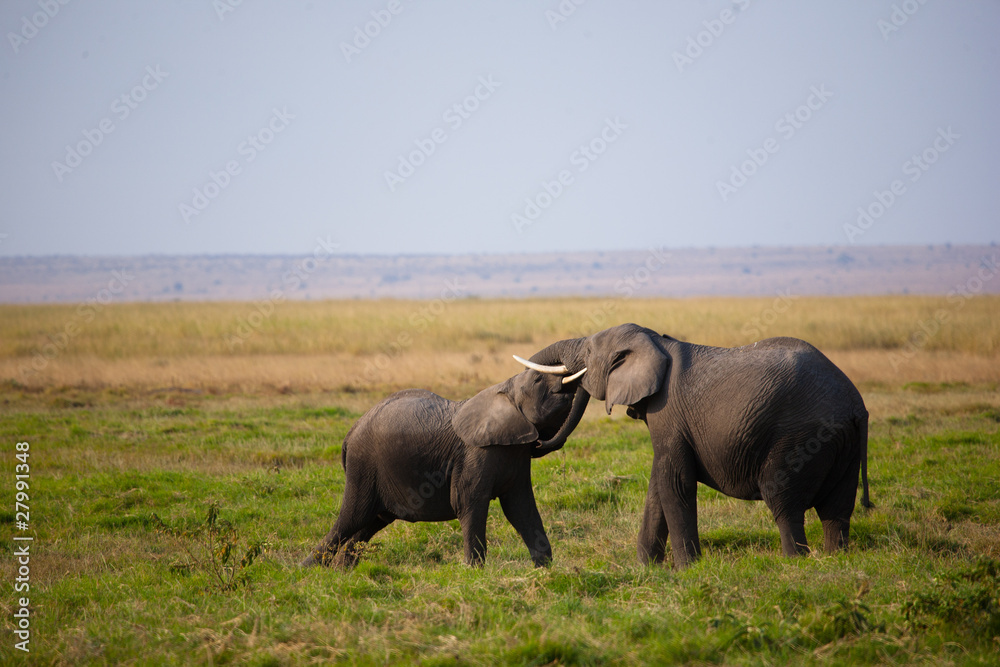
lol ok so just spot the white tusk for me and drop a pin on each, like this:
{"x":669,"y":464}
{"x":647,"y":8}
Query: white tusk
{"x":554,"y":370}
{"x":574,"y":376}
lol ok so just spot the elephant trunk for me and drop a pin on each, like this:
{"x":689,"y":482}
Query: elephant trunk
{"x":579,"y":406}
{"x":565,"y":352}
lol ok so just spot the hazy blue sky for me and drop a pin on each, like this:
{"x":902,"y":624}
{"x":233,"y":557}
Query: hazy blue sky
{"x":452,"y":127}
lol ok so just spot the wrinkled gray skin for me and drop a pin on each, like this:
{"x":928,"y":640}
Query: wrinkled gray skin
{"x":773,"y":421}
{"x":419,"y":457}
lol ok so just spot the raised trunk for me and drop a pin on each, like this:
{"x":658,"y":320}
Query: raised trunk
{"x":579,"y":406}
{"x":566,"y":352}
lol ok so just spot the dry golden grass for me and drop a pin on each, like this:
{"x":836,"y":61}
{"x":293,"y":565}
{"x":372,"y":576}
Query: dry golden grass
{"x":371,"y":347}
{"x":369,"y":327}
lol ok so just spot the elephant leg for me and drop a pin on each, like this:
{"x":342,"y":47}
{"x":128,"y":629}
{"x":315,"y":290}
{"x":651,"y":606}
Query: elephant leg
{"x":835,"y":510}
{"x":341,"y":540}
{"x":519,"y":507}
{"x":473,"y":522}
{"x":345,"y":526}
{"x":350,"y":550}
{"x":653,"y":532}
{"x":792,"y":527}
{"x":789,"y":513}
{"x":836,"y":523}
{"x":677,"y":487}
{"x":324,"y":553}
{"x":835,"y":534}
{"x":358,"y":510}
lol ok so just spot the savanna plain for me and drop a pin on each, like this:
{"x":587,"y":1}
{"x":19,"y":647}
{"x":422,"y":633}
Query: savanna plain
{"x":184,"y":457}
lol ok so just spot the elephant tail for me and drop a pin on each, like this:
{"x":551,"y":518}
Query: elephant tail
{"x":863,"y":436}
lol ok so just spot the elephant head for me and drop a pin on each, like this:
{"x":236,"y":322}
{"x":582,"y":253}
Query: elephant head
{"x":624,"y":364}
{"x":529,"y":407}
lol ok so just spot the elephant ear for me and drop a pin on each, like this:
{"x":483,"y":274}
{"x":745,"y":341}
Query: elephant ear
{"x":638,"y":369}
{"x":491,"y":418}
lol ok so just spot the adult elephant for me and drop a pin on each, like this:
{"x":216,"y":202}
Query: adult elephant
{"x":416,"y":456}
{"x":775,"y":421}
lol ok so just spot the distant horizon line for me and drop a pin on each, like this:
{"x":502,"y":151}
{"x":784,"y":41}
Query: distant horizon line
{"x":756,"y":246}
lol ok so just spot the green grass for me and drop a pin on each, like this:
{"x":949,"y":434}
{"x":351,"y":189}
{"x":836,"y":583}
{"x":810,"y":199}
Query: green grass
{"x":919,"y":584}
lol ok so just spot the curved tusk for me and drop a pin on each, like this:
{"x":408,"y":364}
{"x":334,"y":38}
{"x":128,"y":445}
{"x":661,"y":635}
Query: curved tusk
{"x":567,"y":380}
{"x":555,"y":370}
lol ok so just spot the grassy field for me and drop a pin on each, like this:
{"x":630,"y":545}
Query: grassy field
{"x":159,"y":444}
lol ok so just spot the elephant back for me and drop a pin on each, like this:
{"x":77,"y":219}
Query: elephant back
{"x":412,"y":418}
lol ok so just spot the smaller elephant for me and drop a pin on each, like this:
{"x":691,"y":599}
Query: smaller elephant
{"x":419,"y":457}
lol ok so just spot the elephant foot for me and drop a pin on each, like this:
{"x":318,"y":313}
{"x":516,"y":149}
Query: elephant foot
{"x":686,"y":553}
{"x":793,"y":536}
{"x":542,"y":561}
{"x":320,"y":556}
{"x":650,"y":557}
{"x":835,"y":534}
{"x":684,"y":563}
